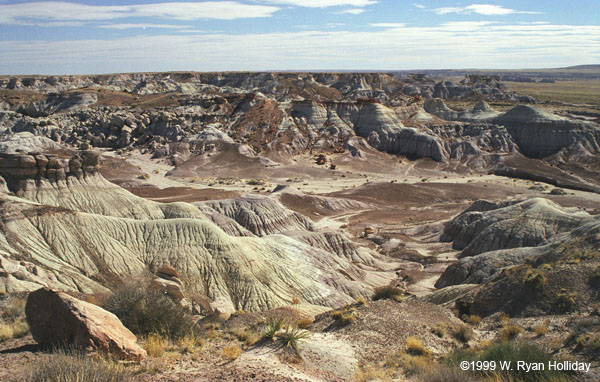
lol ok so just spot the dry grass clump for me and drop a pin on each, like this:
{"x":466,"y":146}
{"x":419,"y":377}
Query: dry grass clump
{"x":370,"y":372}
{"x":345,"y":315}
{"x":510,"y":332}
{"x":387,"y":292}
{"x":76,"y":367}
{"x":246,"y":335}
{"x":304,"y":323}
{"x":414,"y":346}
{"x":12,"y":319}
{"x":504,"y":318}
{"x":540,"y":329}
{"x":536,"y":279}
{"x":156,"y":345}
{"x":463,"y":333}
{"x":362,"y":301}
{"x":231,"y":352}
{"x":474,"y":319}
{"x":566,"y":301}
{"x":440,"y":329}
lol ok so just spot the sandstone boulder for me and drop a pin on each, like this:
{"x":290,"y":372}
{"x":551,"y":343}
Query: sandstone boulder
{"x":56,"y":318}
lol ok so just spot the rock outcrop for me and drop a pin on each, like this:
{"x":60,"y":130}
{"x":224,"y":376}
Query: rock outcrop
{"x":57,"y":319}
{"x":525,"y":224}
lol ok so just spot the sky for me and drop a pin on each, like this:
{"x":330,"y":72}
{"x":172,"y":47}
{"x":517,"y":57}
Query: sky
{"x":114,"y":36}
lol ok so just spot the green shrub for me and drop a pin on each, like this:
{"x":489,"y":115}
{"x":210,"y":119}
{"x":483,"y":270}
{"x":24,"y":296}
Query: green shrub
{"x":292,"y":335}
{"x":76,"y":367}
{"x":147,"y":311}
{"x":272,"y":326}
{"x":528,"y":353}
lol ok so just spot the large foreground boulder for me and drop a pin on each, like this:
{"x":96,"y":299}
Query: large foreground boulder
{"x":56,"y":318}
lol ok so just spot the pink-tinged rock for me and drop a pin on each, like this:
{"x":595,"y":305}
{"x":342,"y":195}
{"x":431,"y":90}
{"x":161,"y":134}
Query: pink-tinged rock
{"x":56,"y":318}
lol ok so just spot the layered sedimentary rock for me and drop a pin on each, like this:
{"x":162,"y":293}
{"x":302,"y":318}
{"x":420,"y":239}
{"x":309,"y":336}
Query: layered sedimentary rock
{"x":79,"y":232}
{"x":498,"y":236}
{"x":525,"y":224}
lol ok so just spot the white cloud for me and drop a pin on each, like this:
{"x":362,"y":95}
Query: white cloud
{"x":489,"y":45}
{"x":323,"y":3}
{"x":482,"y":9}
{"x":388,"y":25}
{"x":420,"y":6}
{"x":26,"y":13}
{"x":143,"y":26}
{"x":352,"y":11}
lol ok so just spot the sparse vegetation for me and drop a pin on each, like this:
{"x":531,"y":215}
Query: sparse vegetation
{"x":291,"y":336}
{"x":345,"y":315}
{"x":246,"y":335}
{"x":156,"y":345}
{"x":76,"y":367}
{"x":463,"y":333}
{"x":535,"y":279}
{"x":414,"y":346}
{"x":387,"y":292}
{"x":146,"y":311}
{"x":231,"y":352}
{"x":510,"y":332}
{"x":565,"y":300}
{"x":12,"y":319}
{"x":272,"y":326}
{"x":304,"y":323}
{"x":474,"y":319}
{"x":540,"y":329}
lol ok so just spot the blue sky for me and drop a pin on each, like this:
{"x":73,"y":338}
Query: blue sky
{"x":79,"y":37}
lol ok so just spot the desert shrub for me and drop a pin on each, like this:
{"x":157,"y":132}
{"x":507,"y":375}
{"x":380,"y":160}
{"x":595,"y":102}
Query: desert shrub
{"x":156,"y":345}
{"x":463,"y":333}
{"x":588,"y":342}
{"x":414,"y":346}
{"x":504,"y":318}
{"x":246,"y":335}
{"x":272,"y":326}
{"x":566,"y":301}
{"x":410,"y":364}
{"x":440,"y":329}
{"x":304,"y":323}
{"x":386,"y":292}
{"x":540,"y":329}
{"x":12,"y":309}
{"x":535,"y":279}
{"x":6,"y":332}
{"x":12,"y":318}
{"x":291,"y":336}
{"x":345,"y":315}
{"x":76,"y":367}
{"x":256,"y":182}
{"x":362,"y":301}
{"x":189,"y":344}
{"x":231,"y":352}
{"x":474,"y":319}
{"x":147,"y":311}
{"x":510,"y":332}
